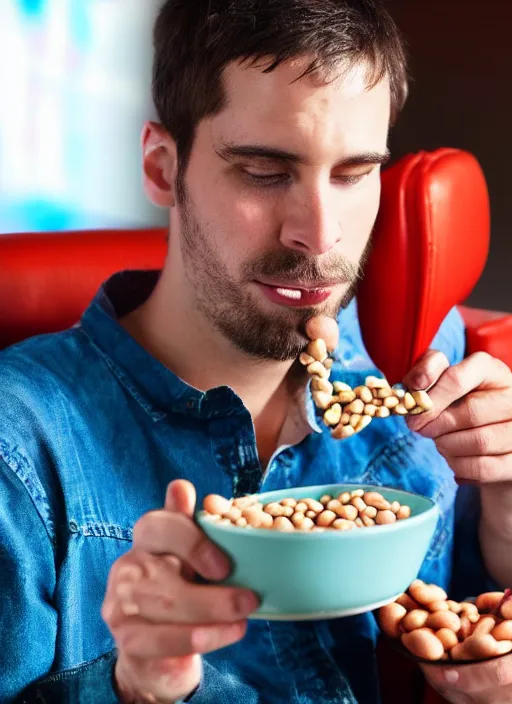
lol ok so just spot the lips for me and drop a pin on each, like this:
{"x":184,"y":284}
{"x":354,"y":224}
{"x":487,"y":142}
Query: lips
{"x":294,"y":297}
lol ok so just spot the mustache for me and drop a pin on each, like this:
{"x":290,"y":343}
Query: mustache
{"x":293,"y":265}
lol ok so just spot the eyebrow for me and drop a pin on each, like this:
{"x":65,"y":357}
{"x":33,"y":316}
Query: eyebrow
{"x":232,"y":152}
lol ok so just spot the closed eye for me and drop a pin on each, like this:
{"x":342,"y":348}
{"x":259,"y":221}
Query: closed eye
{"x":284,"y":178}
{"x":352,"y":179}
{"x":267,"y":179}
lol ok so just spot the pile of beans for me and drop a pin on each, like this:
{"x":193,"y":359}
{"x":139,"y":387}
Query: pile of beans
{"x":349,"y":510}
{"x":347,"y":410}
{"x":433,"y":628}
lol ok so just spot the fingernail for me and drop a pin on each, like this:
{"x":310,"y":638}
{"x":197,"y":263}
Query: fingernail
{"x":125,"y":591}
{"x":216,"y":564}
{"x":201,"y":639}
{"x":419,"y":382}
{"x":451,"y":676}
{"x":246,"y":603}
{"x":130,"y":573}
{"x":130,"y":609}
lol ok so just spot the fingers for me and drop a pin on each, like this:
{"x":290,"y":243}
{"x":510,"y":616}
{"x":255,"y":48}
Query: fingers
{"x":479,"y":371}
{"x":481,"y":470}
{"x":167,"y":599}
{"x":163,"y":532}
{"x":494,"y":677}
{"x":181,"y":497}
{"x":495,"y":439}
{"x":426,"y":371}
{"x":153,"y":588}
{"x":149,"y":605}
{"x":479,"y":408}
{"x":324,"y":328}
{"x":161,"y":622}
{"x":138,"y":638}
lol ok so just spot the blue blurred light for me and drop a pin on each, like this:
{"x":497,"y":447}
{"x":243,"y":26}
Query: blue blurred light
{"x":32,"y":8}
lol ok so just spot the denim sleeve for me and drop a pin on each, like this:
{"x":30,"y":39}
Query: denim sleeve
{"x":92,"y":683}
{"x":28,"y":621}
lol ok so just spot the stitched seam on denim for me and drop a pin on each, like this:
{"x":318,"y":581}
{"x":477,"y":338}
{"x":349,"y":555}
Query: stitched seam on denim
{"x":126,"y":382}
{"x":20,"y":466}
{"x":278,"y":661}
{"x":84,"y":667}
{"x":96,"y":529}
{"x":36,"y":341}
{"x":334,"y":664}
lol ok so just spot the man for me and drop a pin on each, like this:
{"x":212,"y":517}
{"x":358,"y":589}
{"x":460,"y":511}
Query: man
{"x":274,"y":118}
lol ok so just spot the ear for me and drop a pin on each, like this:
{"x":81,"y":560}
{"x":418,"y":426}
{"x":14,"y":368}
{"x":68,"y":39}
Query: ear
{"x":159,"y":160}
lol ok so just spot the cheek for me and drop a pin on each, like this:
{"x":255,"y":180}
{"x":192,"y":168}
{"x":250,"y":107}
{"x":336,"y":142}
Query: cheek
{"x":249,"y":223}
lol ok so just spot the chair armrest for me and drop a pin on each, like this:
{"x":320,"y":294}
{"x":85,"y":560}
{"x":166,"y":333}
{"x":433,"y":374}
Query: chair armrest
{"x":488,"y":331}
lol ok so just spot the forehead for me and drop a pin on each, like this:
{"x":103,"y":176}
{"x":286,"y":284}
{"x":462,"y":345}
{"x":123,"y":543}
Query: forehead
{"x":310,"y":113}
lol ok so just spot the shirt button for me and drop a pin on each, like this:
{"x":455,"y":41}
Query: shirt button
{"x":191,"y":403}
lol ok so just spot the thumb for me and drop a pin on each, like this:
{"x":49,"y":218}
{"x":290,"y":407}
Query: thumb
{"x":426,"y":371}
{"x":180,"y":497}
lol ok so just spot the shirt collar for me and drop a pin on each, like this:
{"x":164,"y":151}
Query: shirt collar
{"x":155,"y":387}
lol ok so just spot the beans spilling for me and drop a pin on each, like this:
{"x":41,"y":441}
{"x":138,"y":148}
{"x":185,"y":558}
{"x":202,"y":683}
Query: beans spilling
{"x":348,"y":410}
{"x":349,"y":510}
{"x":432,"y":627}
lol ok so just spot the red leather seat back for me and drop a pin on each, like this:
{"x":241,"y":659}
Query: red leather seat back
{"x":488,"y":331}
{"x":48,"y":279}
{"x":431,"y":243}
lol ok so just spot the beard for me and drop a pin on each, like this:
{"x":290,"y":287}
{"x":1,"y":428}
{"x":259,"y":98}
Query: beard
{"x":234,"y":311}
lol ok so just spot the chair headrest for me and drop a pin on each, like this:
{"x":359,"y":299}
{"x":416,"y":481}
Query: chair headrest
{"x":430,"y":246}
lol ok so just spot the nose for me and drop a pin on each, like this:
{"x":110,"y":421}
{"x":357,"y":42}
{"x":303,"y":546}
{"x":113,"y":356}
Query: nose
{"x":311,"y":223}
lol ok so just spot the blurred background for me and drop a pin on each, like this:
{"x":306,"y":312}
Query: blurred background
{"x":75,"y":90}
{"x":74,"y":82}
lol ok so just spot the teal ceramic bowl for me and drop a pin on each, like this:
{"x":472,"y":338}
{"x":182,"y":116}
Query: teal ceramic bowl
{"x":302,"y":576}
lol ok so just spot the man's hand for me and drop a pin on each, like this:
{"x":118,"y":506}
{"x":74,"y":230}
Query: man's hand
{"x":483,"y":683}
{"x":471,"y":424}
{"x":161,"y":621}
{"x":471,"y":421}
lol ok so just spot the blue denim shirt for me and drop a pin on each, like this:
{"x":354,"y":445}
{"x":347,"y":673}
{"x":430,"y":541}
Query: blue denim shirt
{"x":92,"y":430}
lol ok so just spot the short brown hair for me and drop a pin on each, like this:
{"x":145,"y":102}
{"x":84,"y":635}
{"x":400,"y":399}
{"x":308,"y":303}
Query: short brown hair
{"x":194,"y":40}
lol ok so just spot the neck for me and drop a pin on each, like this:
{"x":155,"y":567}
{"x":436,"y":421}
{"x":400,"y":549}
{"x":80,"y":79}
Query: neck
{"x":167,"y":327}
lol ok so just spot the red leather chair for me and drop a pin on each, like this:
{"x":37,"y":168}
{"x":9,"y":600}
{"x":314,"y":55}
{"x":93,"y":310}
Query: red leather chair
{"x":430,"y":246}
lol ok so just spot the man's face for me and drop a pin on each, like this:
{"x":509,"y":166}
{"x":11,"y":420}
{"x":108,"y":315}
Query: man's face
{"x":281,"y":194}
